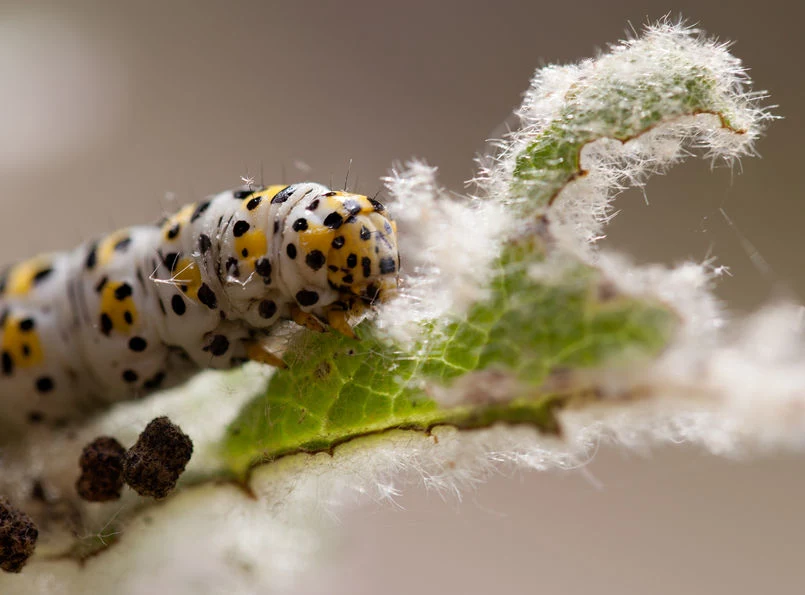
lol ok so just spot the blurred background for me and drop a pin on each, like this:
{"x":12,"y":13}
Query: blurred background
{"x":113,"y":113}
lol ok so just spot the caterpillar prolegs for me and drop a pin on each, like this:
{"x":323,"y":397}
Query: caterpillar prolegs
{"x":146,"y":307}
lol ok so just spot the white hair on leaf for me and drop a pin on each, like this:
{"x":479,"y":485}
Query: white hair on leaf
{"x":665,"y":53}
{"x":447,"y":247}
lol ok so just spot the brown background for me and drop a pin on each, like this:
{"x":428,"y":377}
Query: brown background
{"x":106,"y":106}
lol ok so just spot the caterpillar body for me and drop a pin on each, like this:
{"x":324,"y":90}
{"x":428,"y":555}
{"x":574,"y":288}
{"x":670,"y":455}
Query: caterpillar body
{"x":146,"y":307}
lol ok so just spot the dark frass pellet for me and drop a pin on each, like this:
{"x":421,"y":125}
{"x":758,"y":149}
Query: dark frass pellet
{"x":18,"y":535}
{"x":153,"y":465}
{"x":101,"y":465}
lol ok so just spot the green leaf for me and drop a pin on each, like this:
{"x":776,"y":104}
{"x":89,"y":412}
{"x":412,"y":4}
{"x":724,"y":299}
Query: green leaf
{"x":336,"y":388}
{"x":617,"y":103}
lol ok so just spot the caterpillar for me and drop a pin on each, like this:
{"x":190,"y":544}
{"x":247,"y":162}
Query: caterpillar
{"x":146,"y":307}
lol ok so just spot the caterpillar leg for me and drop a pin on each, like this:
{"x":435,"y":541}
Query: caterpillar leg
{"x":257,"y":352}
{"x":307,"y":320}
{"x":338,"y":319}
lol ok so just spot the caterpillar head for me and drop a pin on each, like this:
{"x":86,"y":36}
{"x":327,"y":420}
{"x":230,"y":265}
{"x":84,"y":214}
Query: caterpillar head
{"x":344,"y":249}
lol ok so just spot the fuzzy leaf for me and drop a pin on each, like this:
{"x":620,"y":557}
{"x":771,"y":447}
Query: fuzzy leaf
{"x":337,"y":388}
{"x":641,"y":84}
